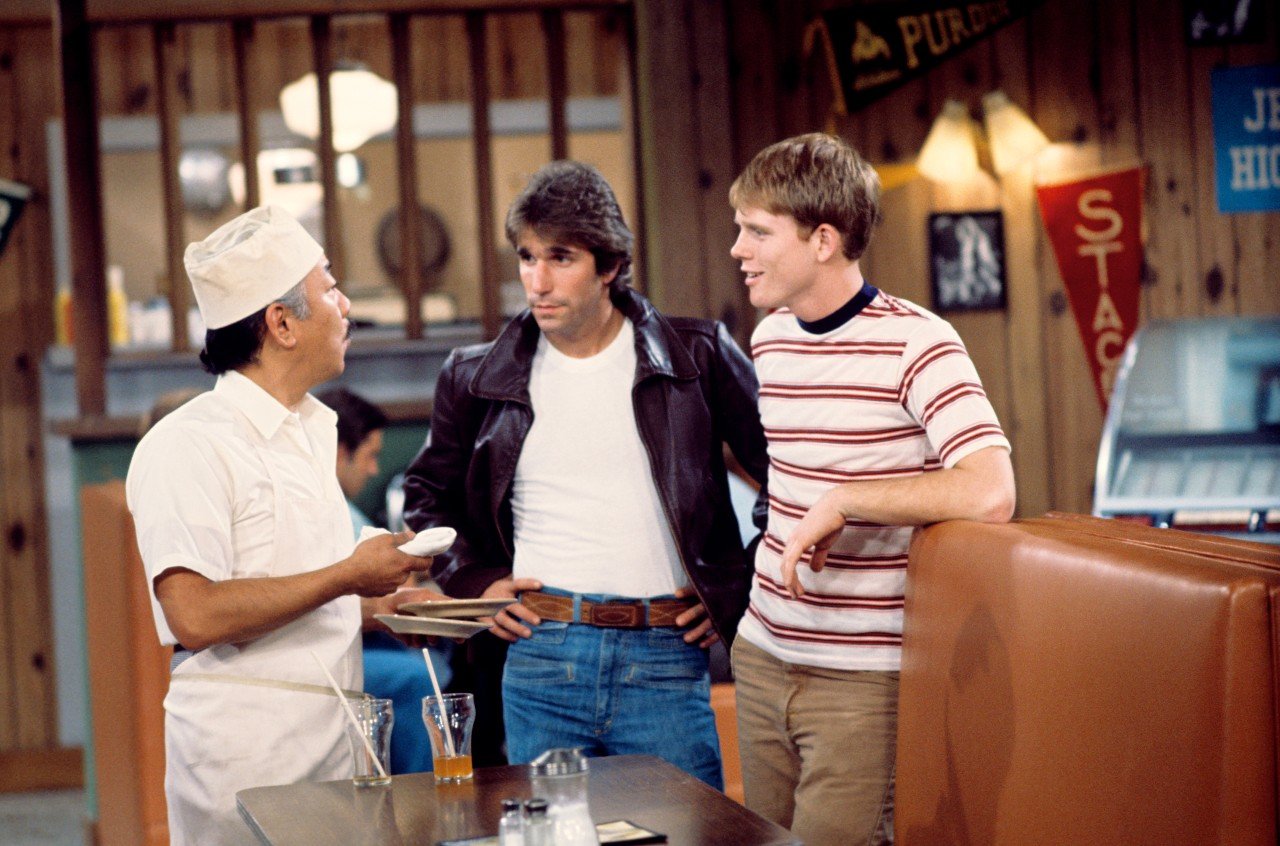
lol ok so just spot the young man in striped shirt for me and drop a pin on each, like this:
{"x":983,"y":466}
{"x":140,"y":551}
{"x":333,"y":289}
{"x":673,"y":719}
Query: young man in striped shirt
{"x":877,"y":423}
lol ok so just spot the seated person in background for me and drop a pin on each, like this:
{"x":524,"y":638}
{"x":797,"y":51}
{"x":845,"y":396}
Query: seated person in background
{"x":165,"y":403}
{"x":392,"y":670}
{"x":582,"y":450}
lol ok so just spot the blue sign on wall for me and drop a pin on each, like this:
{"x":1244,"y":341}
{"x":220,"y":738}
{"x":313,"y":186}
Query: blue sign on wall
{"x":1246,"y":137}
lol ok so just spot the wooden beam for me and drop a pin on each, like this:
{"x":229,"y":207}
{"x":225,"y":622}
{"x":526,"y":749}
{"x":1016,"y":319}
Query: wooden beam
{"x":28,"y":12}
{"x":55,"y":768}
{"x":629,"y":94}
{"x":726,"y":295}
{"x":250,"y":142}
{"x":480,"y":140}
{"x":26,"y":634}
{"x":167,"y":96}
{"x":411,"y":281}
{"x":88,"y":248}
{"x":674,"y":247}
{"x":557,"y":84}
{"x":334,"y":246}
{"x":12,"y":632}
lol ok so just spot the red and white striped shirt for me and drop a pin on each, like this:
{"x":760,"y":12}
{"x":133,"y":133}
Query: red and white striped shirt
{"x":888,"y":394}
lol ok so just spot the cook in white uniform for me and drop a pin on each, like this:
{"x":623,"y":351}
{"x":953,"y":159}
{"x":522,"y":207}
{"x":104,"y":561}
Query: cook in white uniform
{"x":246,"y":537}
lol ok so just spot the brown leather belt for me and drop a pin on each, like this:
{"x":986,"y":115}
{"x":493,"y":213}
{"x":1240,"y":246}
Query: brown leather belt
{"x":619,"y":614}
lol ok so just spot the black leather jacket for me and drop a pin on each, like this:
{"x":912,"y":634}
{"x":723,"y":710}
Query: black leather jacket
{"x":694,"y":390}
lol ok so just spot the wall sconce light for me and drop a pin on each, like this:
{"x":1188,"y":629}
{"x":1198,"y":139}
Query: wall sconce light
{"x":1013,"y":136}
{"x":950,"y":152}
{"x":364,"y":105}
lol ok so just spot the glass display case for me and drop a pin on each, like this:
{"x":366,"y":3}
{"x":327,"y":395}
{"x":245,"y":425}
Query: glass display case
{"x":1192,"y":435}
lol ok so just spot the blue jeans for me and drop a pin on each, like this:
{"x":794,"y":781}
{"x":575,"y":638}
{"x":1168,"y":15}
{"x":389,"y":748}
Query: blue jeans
{"x":611,"y":692}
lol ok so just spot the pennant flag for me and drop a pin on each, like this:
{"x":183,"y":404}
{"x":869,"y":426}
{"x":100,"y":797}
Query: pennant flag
{"x":1095,"y":226}
{"x":13,"y":198}
{"x":874,"y":48}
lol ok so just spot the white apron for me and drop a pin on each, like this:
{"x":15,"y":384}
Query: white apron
{"x":231,"y":725}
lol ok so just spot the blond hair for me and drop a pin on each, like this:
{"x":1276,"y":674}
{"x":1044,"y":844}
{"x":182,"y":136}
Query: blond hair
{"x":814,"y":178}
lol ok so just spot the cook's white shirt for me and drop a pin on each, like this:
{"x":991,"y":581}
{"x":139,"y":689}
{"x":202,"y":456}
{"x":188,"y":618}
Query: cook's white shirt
{"x":201,"y":494}
{"x":235,"y":485}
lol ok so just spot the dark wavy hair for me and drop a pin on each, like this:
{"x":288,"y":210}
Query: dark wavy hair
{"x":571,"y":203}
{"x":357,"y":417}
{"x":238,"y":344}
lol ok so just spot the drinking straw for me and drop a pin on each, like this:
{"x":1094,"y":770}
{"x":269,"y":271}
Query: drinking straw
{"x":355,"y":723}
{"x":444,"y":715}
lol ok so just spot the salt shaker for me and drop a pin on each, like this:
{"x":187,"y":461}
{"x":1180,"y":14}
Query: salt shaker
{"x":511,"y":824}
{"x":538,"y":830}
{"x":561,"y":776}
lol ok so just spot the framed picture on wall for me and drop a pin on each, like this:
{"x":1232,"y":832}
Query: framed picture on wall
{"x":966,"y":260}
{"x":1224,"y":21}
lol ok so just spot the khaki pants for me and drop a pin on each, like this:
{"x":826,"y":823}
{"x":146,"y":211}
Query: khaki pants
{"x":817,"y":747}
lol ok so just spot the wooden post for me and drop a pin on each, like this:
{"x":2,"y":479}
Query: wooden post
{"x":480,"y":139}
{"x":242,"y":40}
{"x":411,"y":262}
{"x":88,"y":248}
{"x":170,"y":150}
{"x":334,"y":247}
{"x":726,"y":296}
{"x":557,"y":84}
{"x":675,"y":249}
{"x":629,"y":94}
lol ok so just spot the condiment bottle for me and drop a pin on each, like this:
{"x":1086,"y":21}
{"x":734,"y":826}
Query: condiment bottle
{"x":538,"y":830}
{"x":561,"y":776}
{"x":511,"y":824}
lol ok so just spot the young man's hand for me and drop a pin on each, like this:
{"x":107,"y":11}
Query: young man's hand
{"x":510,"y":623}
{"x":703,"y":633}
{"x":818,"y":530}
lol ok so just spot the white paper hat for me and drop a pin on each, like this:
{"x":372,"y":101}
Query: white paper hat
{"x":249,"y":263}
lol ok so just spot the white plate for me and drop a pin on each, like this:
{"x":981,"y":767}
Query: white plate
{"x":401,"y":624}
{"x":430,"y":542}
{"x":449,"y":608}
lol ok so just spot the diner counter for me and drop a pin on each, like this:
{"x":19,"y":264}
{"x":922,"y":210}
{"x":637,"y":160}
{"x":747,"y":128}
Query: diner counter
{"x":413,"y":809}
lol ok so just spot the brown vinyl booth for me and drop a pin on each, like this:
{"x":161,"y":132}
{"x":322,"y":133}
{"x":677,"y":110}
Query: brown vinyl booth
{"x":128,"y":676}
{"x":1069,"y":680}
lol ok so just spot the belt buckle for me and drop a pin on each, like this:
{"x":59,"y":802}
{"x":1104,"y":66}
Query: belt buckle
{"x":618,"y":615}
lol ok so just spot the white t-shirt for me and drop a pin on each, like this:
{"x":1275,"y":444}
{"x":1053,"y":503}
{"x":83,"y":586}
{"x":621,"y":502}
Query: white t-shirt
{"x":888,"y":394}
{"x":587,"y":514}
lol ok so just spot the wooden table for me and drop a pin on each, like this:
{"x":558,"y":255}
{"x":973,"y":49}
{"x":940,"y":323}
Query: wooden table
{"x":415,"y":810}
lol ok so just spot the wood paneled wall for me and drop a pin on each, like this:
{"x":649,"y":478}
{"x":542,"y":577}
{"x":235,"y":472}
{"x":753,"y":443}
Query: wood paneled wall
{"x":28,"y":717}
{"x":715,"y":81}
{"x":204,"y":77}
{"x":1116,"y":81}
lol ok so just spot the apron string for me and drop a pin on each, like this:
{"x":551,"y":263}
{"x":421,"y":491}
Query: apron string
{"x":299,"y":687}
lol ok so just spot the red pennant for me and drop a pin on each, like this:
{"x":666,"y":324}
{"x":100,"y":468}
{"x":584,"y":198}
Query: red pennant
{"x":1095,"y":226}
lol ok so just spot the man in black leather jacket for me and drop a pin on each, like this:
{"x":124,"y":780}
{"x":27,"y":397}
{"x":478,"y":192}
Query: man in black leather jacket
{"x":584,"y":448}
